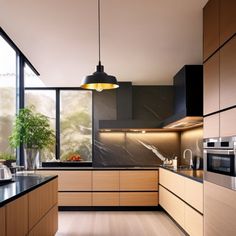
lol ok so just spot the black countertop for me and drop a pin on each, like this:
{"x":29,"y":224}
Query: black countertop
{"x":196,"y":175}
{"x":21,"y":184}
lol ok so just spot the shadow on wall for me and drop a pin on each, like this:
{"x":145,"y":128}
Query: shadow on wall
{"x":127,"y":149}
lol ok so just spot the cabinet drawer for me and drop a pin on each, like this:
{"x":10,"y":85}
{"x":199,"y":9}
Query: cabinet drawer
{"x":138,"y":180}
{"x":75,"y":199}
{"x":193,"y":222}
{"x":211,"y":127}
{"x":106,"y":199}
{"x":106,"y":180}
{"x":194,"y":194}
{"x":2,"y":221}
{"x":139,"y":199}
{"x":172,"y":181}
{"x":173,"y":205}
{"x":227,"y":122}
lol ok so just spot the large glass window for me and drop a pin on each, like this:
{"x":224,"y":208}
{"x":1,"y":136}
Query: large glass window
{"x":7,"y":93}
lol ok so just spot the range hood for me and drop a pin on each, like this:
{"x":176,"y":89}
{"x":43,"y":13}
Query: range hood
{"x":188,"y":98}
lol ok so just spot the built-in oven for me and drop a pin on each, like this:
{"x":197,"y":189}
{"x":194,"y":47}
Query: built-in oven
{"x":220,"y":161}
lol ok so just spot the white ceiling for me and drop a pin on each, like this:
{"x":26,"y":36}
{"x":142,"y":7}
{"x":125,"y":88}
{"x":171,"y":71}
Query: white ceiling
{"x":143,"y":41}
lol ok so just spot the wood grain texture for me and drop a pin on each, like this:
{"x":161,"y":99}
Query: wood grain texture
{"x":139,"y":199}
{"x":211,"y":127}
{"x":228,"y":74}
{"x":41,"y":201}
{"x":106,"y":180}
{"x":106,"y":199}
{"x":193,"y":194}
{"x":48,"y":225}
{"x":227,"y":19}
{"x":139,"y":180}
{"x":227,"y":122}
{"x":17,"y":217}
{"x":117,"y":223}
{"x":219,"y":210}
{"x":172,"y":181}
{"x":74,"y":199}
{"x":212,"y":84}
{"x":2,"y":221}
{"x":211,"y":28}
{"x":193,"y":222}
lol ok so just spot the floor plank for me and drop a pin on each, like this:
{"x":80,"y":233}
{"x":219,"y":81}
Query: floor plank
{"x":116,"y":223}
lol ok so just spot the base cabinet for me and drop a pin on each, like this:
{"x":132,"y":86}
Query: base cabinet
{"x":2,"y":221}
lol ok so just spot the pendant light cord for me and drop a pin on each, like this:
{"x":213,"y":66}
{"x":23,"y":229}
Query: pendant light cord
{"x":99,"y":33}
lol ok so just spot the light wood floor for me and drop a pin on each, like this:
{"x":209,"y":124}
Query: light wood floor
{"x":116,"y":223}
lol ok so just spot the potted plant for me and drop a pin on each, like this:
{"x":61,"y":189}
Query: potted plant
{"x":32,"y":130}
{"x":7,"y":158}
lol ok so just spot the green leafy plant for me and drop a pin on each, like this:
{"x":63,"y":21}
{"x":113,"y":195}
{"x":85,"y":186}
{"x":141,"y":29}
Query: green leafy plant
{"x":7,"y":156}
{"x":31,"y":129}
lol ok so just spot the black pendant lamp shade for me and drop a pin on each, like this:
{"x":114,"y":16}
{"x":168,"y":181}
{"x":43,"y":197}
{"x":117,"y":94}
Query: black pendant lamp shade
{"x":99,"y":80}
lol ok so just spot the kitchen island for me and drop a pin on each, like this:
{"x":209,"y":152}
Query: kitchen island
{"x":28,"y":205}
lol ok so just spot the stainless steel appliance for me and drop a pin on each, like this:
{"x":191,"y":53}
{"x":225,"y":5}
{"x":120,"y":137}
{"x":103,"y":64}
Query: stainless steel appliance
{"x":5,"y":173}
{"x":220,"y":161}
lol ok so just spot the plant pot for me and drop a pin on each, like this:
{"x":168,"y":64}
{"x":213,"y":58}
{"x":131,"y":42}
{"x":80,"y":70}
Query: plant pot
{"x":31,"y":158}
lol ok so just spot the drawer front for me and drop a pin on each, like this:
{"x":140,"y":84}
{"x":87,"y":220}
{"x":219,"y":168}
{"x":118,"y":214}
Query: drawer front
{"x":193,"y":222}
{"x":74,"y":199}
{"x":106,"y":180}
{"x":174,"y":182}
{"x":139,"y":199}
{"x":194,"y":194}
{"x":138,"y":180}
{"x":173,"y":205}
{"x":106,"y":199}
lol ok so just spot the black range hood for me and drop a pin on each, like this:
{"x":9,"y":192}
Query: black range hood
{"x":188,"y":98}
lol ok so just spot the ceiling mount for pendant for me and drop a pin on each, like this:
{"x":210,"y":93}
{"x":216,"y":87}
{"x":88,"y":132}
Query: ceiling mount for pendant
{"x":99,"y":80}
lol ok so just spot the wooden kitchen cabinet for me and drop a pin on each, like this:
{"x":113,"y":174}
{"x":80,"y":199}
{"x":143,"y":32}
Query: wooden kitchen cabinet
{"x":138,"y":199}
{"x":173,"y":205}
{"x":193,"y":222}
{"x":2,"y":221}
{"x":211,"y":29}
{"x":211,"y":72}
{"x":139,"y":180}
{"x":228,"y":74}
{"x":172,"y":181}
{"x":106,"y":199}
{"x":74,"y":199}
{"x":227,"y":19}
{"x":211,"y":127}
{"x":17,"y":217}
{"x":227,"y":123}
{"x":106,"y":180}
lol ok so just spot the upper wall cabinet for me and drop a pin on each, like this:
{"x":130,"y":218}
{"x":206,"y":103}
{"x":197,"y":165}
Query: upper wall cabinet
{"x":228,"y":74}
{"x":227,"y":19}
{"x":210,"y":28}
{"x":219,"y":24}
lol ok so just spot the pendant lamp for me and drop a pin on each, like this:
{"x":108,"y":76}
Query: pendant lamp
{"x":99,"y":80}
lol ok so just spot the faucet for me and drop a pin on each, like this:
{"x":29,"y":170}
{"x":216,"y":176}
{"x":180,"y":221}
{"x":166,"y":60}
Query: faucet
{"x":191,"y":156}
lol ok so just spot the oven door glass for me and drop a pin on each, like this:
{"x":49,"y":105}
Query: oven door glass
{"x":222,"y":164}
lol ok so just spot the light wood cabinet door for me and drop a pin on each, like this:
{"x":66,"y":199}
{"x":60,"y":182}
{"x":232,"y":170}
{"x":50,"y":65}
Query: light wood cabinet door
{"x":193,"y":222}
{"x":211,"y":127}
{"x":172,"y":181}
{"x":2,"y":222}
{"x":72,"y":180}
{"x":219,"y":210}
{"x":212,"y":84}
{"x":139,"y":180}
{"x":74,"y":199}
{"x":194,"y":194}
{"x":17,"y":217}
{"x":138,"y":199}
{"x":41,"y":201}
{"x":48,"y":225}
{"x":106,"y":180}
{"x":106,"y":199}
{"x":227,"y":19}
{"x":173,"y":205}
{"x":227,"y":123}
{"x":228,"y":74}
{"x":211,"y":27}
